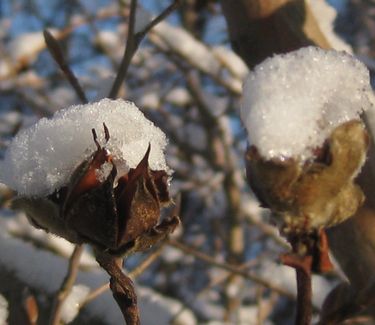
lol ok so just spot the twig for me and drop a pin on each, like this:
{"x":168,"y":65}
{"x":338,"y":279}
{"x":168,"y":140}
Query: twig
{"x":133,"y":41}
{"x":136,"y":272}
{"x":304,"y":294}
{"x":66,"y":286}
{"x":56,"y":52}
{"x":122,"y":287}
{"x":303,"y":264}
{"x":230,"y":268}
{"x":94,"y":294}
{"x":213,"y":283}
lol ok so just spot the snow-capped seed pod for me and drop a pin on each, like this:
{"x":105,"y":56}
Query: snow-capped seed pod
{"x":307,"y":142}
{"x":105,"y":198}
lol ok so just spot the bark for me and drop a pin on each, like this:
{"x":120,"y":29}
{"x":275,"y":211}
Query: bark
{"x":260,"y":28}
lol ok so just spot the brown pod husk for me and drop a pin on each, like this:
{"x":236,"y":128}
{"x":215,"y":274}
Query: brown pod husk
{"x":113,"y":215}
{"x":306,"y":196}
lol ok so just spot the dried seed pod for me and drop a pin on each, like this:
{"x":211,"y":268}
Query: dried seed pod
{"x":112,"y":213}
{"x":306,"y":196}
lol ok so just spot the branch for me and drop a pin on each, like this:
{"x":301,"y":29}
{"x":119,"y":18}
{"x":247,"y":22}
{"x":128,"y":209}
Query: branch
{"x":57,"y":54}
{"x":122,"y":287}
{"x":236,"y":269}
{"x":133,"y":274}
{"x":303,"y":266}
{"x":66,"y":286}
{"x":133,"y":41}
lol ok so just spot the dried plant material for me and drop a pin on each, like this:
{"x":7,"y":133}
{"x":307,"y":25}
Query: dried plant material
{"x":114,"y":216}
{"x":314,"y":194}
{"x":112,"y":198}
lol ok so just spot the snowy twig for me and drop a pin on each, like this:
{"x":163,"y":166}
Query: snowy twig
{"x":56,"y":52}
{"x":133,"y":41}
{"x":235,"y":269}
{"x":122,"y":287}
{"x":66,"y":286}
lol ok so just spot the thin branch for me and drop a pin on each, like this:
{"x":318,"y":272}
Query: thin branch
{"x":133,"y":274}
{"x":56,"y":52}
{"x":164,"y":14}
{"x":66,"y":286}
{"x":213,"y":283}
{"x":230,"y":268}
{"x":95,"y":293}
{"x":133,"y":41}
{"x":304,"y":296}
{"x":303,"y":264}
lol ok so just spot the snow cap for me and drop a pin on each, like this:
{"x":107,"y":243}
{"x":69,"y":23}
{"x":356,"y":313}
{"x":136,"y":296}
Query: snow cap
{"x":292,"y":102}
{"x":42,"y":158}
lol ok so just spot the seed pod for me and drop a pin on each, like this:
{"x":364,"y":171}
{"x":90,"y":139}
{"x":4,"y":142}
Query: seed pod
{"x":309,"y":195}
{"x":97,"y":207}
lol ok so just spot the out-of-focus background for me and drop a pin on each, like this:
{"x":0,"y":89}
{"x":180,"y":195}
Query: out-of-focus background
{"x":222,"y":265}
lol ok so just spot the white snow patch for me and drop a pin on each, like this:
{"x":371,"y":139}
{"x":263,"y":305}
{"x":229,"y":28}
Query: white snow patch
{"x":111,"y":42}
{"x":41,"y":158}
{"x":103,"y":172}
{"x":4,"y":310}
{"x":325,"y":16}
{"x":178,"y":96}
{"x":292,"y":102}
{"x":71,"y":305}
{"x":231,"y":61}
{"x":27,"y":46}
{"x":150,"y":100}
{"x":152,"y":304}
{"x":195,"y":52}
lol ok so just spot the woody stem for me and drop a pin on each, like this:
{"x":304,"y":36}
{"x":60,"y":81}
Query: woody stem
{"x":303,"y":266}
{"x":304,"y":293}
{"x":122,"y":287}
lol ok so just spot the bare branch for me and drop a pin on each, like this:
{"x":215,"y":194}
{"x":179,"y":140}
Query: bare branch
{"x":57,"y":54}
{"x":66,"y":286}
{"x":133,"y":41}
{"x":122,"y":287}
{"x":136,"y":272}
{"x":230,"y":268}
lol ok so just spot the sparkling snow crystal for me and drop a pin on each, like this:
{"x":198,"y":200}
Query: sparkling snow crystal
{"x":293,"y":102}
{"x":41,"y":158}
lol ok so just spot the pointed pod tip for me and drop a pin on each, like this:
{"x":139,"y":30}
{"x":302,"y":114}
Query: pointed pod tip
{"x":144,"y":161}
{"x":95,"y":137}
{"x":106,"y":132}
